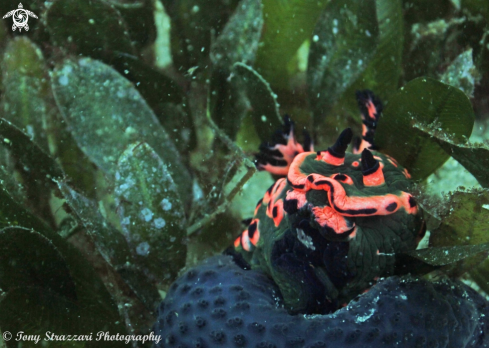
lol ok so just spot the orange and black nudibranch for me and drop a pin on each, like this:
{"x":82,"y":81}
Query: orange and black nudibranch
{"x":335,"y":221}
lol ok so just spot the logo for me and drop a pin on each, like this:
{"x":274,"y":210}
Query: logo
{"x":20,"y":17}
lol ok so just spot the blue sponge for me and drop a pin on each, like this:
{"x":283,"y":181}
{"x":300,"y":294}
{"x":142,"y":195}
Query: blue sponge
{"x":218,"y":304}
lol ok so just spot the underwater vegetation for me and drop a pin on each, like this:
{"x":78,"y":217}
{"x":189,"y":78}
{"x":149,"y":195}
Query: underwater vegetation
{"x":129,"y":130}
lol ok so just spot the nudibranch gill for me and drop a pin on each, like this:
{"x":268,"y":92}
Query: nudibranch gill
{"x":335,"y":221}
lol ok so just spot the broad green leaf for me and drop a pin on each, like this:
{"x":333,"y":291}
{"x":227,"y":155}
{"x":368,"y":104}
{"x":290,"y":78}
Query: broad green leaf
{"x":383,"y":72}
{"x":462,"y":73}
{"x":423,"y":101}
{"x":265,"y":109}
{"x":444,"y":256}
{"x":40,"y":307}
{"x":474,"y":157}
{"x":109,"y":241}
{"x":26,"y":103}
{"x":344,"y":40}
{"x":27,"y":258}
{"x":95,"y":28}
{"x":26,"y":89}
{"x":81,"y":172}
{"x":40,"y":165}
{"x":228,"y":104}
{"x":108,"y":114}
{"x":13,"y":213}
{"x":459,"y":241}
{"x":139,"y":18}
{"x":193,"y":27}
{"x":151,"y":212}
{"x":288,"y":23}
{"x":37,"y":169}
{"x":153,"y":85}
{"x":38,"y":311}
{"x":164,"y":96}
{"x":465,"y":220}
{"x":9,"y":183}
{"x":238,"y":42}
{"x":479,"y":275}
{"x":462,"y":220}
{"x":93,"y":299}
{"x":145,"y":290}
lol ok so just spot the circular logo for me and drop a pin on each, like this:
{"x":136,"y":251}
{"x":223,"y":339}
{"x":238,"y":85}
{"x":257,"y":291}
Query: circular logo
{"x":7,"y":336}
{"x":20,"y":17}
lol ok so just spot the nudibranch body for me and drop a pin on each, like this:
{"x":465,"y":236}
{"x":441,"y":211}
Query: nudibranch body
{"x":321,"y":236}
{"x":335,"y":222}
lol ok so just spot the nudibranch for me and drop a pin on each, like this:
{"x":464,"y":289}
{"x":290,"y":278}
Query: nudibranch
{"x":320,"y":237}
{"x":335,"y":221}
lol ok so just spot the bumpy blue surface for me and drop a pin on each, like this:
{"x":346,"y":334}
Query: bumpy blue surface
{"x":218,"y":304}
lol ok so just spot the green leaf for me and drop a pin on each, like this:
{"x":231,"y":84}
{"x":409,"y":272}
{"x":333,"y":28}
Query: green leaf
{"x":45,"y":306}
{"x":10,"y":185}
{"x":474,"y":157}
{"x":465,"y":219}
{"x":151,"y":212}
{"x":288,"y":23}
{"x":37,"y":169}
{"x":139,"y":18}
{"x":193,"y":26}
{"x":444,"y":256}
{"x":479,"y":275}
{"x":27,"y":103}
{"x":383,"y":72}
{"x":109,"y":241}
{"x":113,"y":43}
{"x":462,"y":73}
{"x":145,"y":290}
{"x":265,"y":109}
{"x":26,"y":89}
{"x":228,"y":103}
{"x":95,"y":29}
{"x":108,"y":114}
{"x":27,"y":258}
{"x":154,"y":86}
{"x":37,"y":310}
{"x":13,"y":213}
{"x":238,"y":42}
{"x":40,"y":165}
{"x":345,"y":39}
{"x":423,"y":101}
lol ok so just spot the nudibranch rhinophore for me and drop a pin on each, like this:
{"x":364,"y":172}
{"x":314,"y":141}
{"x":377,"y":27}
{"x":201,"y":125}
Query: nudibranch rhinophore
{"x":334,"y":223}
